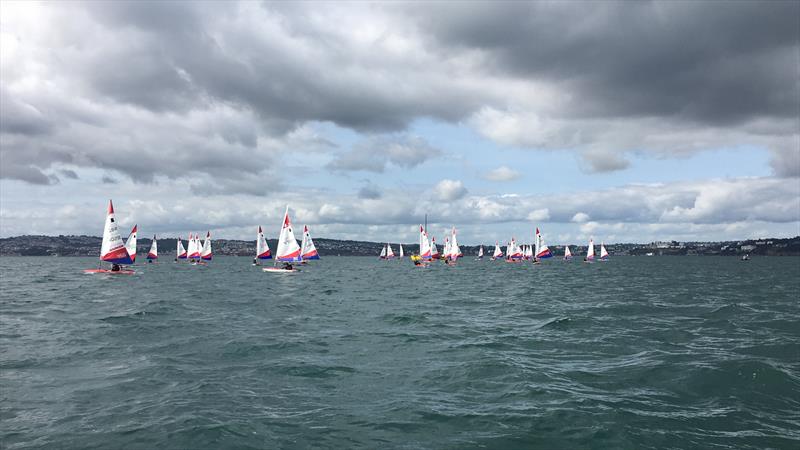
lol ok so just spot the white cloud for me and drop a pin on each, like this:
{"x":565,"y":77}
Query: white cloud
{"x":502,"y":173}
{"x":539,"y":215}
{"x":580,"y":217}
{"x":449,"y":190}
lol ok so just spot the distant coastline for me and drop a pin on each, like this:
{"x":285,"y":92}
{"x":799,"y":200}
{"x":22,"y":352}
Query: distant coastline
{"x":38,"y":245}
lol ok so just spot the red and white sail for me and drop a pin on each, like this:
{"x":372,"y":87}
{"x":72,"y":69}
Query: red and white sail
{"x":180,"y":251}
{"x":590,"y":251}
{"x":603,"y":252}
{"x":153,"y":253}
{"x":262,"y":248}
{"x":424,"y":244}
{"x":383,"y":253}
{"x":480,"y":252}
{"x":308,"y":250}
{"x":112,"y":249}
{"x":512,"y":250}
{"x":541,"y":249}
{"x":130,"y":243}
{"x":434,"y":249}
{"x":389,"y":252}
{"x":498,"y":253}
{"x":455,"y":252}
{"x":288,"y":250}
{"x":205,"y":253}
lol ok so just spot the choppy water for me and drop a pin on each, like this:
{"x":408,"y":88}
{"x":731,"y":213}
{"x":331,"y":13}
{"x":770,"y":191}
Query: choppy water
{"x":663,"y":352}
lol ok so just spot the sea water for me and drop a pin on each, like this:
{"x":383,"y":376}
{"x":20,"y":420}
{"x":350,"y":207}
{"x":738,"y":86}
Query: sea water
{"x":636,"y":352}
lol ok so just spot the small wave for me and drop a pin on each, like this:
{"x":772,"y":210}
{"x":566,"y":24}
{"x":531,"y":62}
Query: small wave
{"x":405,"y":319}
{"x":556,"y":322}
{"x":316,"y":371}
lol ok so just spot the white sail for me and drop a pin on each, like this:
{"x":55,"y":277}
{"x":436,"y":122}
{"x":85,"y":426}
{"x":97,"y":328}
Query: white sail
{"x":497,"y":251}
{"x":206,"y":252}
{"x":180,"y":251}
{"x":434,"y":249}
{"x":383,"y":252}
{"x":130,"y":244}
{"x":288,"y":250}
{"x":401,"y":250}
{"x":455,"y":252}
{"x":567,"y":253}
{"x":590,"y":250}
{"x":190,"y":246}
{"x":389,"y":252}
{"x":424,"y":244}
{"x":153,"y":253}
{"x":112,"y":249}
{"x":262,"y":248}
{"x":480,"y":252}
{"x":308,"y":250}
{"x":541,"y":249}
{"x":603,"y":252}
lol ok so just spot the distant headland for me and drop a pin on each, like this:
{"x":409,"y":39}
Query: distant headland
{"x":37,"y":245}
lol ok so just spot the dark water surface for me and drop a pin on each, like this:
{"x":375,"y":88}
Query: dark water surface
{"x":662,"y":352}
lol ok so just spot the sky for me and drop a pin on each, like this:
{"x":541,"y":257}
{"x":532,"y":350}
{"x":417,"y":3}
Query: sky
{"x":618,"y":121}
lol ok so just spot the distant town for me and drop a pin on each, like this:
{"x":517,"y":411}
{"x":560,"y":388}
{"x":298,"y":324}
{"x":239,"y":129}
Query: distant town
{"x":90,"y":246}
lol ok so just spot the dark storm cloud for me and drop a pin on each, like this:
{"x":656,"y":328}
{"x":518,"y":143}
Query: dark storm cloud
{"x":716,"y":62}
{"x":215,"y":89}
{"x":186,"y":56}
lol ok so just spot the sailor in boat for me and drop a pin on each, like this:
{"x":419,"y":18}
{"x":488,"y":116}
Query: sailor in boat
{"x":287,"y":266}
{"x":115,"y":267}
{"x":255,"y":261}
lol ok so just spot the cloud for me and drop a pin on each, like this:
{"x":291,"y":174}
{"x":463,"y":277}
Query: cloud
{"x":369,"y":192}
{"x":222,"y":90}
{"x":595,"y":161}
{"x":449,"y":190}
{"x":539,"y":215}
{"x":376,"y":154}
{"x":69,"y":174}
{"x":502,"y":173}
{"x":580,"y":217}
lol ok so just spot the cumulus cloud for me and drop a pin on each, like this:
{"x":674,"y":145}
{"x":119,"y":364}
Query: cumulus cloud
{"x":580,"y":217}
{"x":539,"y":215}
{"x":502,"y":173}
{"x":449,"y":190}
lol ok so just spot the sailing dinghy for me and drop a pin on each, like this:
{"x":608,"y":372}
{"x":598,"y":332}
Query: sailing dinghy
{"x":541,"y":249}
{"x":112,"y":250}
{"x":498,"y":253}
{"x":288,"y":251}
{"x":480,"y":254}
{"x":205,"y":254}
{"x":567,"y":253}
{"x":130,"y":243}
{"x":180,"y":252}
{"x":152,"y":255}
{"x":262,"y":248}
{"x":603,"y":252}
{"x":589,"y":252}
{"x":308,"y":250}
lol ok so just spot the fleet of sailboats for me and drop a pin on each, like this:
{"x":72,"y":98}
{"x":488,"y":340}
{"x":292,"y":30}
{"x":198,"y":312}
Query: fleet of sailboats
{"x":121,"y":254}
